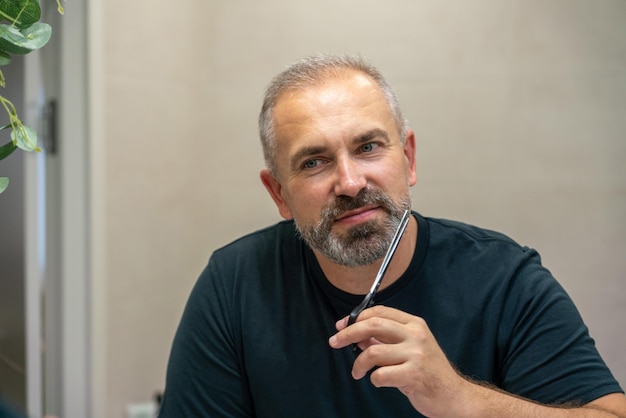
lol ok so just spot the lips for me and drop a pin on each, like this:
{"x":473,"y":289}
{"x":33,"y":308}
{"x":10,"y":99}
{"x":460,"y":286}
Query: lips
{"x":356,"y":213}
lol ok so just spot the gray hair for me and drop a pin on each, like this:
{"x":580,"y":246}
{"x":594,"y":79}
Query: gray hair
{"x":309,"y":72}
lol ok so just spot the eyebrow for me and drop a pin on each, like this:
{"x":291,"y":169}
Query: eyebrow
{"x":320,"y":149}
{"x":371,"y":134}
{"x":306,"y":152}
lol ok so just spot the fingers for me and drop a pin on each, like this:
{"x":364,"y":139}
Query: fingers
{"x":342,"y":323}
{"x":387,"y":336}
{"x":395,"y":375}
{"x":376,"y":355}
{"x":402,"y":352}
{"x":381,"y":323}
{"x":380,"y":311}
{"x":381,"y":329}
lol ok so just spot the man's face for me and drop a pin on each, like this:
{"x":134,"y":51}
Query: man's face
{"x":343,"y":174}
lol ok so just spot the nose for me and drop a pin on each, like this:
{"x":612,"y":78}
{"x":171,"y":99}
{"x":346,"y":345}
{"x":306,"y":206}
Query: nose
{"x":350,"y":179}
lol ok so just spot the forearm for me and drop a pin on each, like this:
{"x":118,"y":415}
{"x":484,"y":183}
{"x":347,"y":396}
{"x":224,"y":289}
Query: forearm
{"x":483,"y":401}
{"x":401,"y":352}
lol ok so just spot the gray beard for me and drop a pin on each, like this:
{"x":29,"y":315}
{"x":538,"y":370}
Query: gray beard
{"x":363,"y":244}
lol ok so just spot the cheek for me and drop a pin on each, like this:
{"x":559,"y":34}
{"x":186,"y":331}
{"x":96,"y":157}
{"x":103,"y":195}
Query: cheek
{"x":395,"y":178}
{"x":307,"y":198}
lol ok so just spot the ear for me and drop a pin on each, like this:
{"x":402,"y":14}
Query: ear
{"x":409,"y":153}
{"x":275,"y":189}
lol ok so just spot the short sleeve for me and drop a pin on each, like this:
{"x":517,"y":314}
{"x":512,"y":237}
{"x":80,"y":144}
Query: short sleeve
{"x":204,"y":374}
{"x":546,"y":352}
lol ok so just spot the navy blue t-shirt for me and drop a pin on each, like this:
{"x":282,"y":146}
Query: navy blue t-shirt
{"x":253,"y":340}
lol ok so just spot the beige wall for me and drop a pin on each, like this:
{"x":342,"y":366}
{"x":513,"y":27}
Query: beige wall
{"x":518,"y":108}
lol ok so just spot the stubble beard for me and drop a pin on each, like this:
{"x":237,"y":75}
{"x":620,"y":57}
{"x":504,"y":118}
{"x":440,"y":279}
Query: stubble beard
{"x":362,"y":244}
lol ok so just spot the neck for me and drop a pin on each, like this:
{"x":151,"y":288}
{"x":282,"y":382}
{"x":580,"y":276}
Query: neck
{"x":358,"y":280}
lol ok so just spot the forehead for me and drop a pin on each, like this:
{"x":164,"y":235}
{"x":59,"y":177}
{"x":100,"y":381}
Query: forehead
{"x":345,"y":83}
{"x":334,"y":104}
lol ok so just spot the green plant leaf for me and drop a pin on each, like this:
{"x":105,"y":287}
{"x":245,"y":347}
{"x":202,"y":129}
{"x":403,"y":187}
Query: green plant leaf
{"x":5,"y":59}
{"x":21,"y":13}
{"x":7,"y":149}
{"x":4,"y":183}
{"x":25,"y":138}
{"x":23,"y":41}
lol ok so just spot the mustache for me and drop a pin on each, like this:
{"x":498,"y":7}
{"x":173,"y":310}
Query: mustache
{"x":365,"y":197}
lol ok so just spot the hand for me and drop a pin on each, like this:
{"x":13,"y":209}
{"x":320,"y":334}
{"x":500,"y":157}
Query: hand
{"x":408,"y":358}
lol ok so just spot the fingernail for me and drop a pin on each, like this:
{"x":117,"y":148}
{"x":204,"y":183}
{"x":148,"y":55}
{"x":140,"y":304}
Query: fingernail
{"x":333,"y":340}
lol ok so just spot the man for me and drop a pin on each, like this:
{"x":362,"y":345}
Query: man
{"x":466,"y":323}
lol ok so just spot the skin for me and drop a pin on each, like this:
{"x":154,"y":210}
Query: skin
{"x":336,"y":138}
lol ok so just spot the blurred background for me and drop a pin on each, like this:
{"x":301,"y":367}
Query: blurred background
{"x":519,"y":111}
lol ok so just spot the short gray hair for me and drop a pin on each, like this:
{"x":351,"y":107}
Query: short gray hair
{"x":309,"y":72}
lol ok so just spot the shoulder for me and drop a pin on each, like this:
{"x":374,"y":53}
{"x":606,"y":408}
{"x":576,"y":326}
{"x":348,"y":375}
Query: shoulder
{"x":260,"y":243}
{"x":237,"y":270}
{"x":481,"y":258}
{"x":446,"y":227}
{"x":458,"y":238}
{"x":253,"y":259}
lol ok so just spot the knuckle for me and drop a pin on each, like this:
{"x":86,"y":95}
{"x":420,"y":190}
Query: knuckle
{"x":376,"y":323}
{"x":375,"y":352}
{"x":380,"y":377}
{"x":421,"y":336}
{"x":378,"y":310}
{"x":420,"y":322}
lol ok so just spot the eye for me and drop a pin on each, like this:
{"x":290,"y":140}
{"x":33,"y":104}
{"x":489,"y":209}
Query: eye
{"x":369,"y":147}
{"x":312,"y":163}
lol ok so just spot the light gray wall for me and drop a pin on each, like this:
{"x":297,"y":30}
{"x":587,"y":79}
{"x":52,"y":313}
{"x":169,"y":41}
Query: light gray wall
{"x":518,"y":108}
